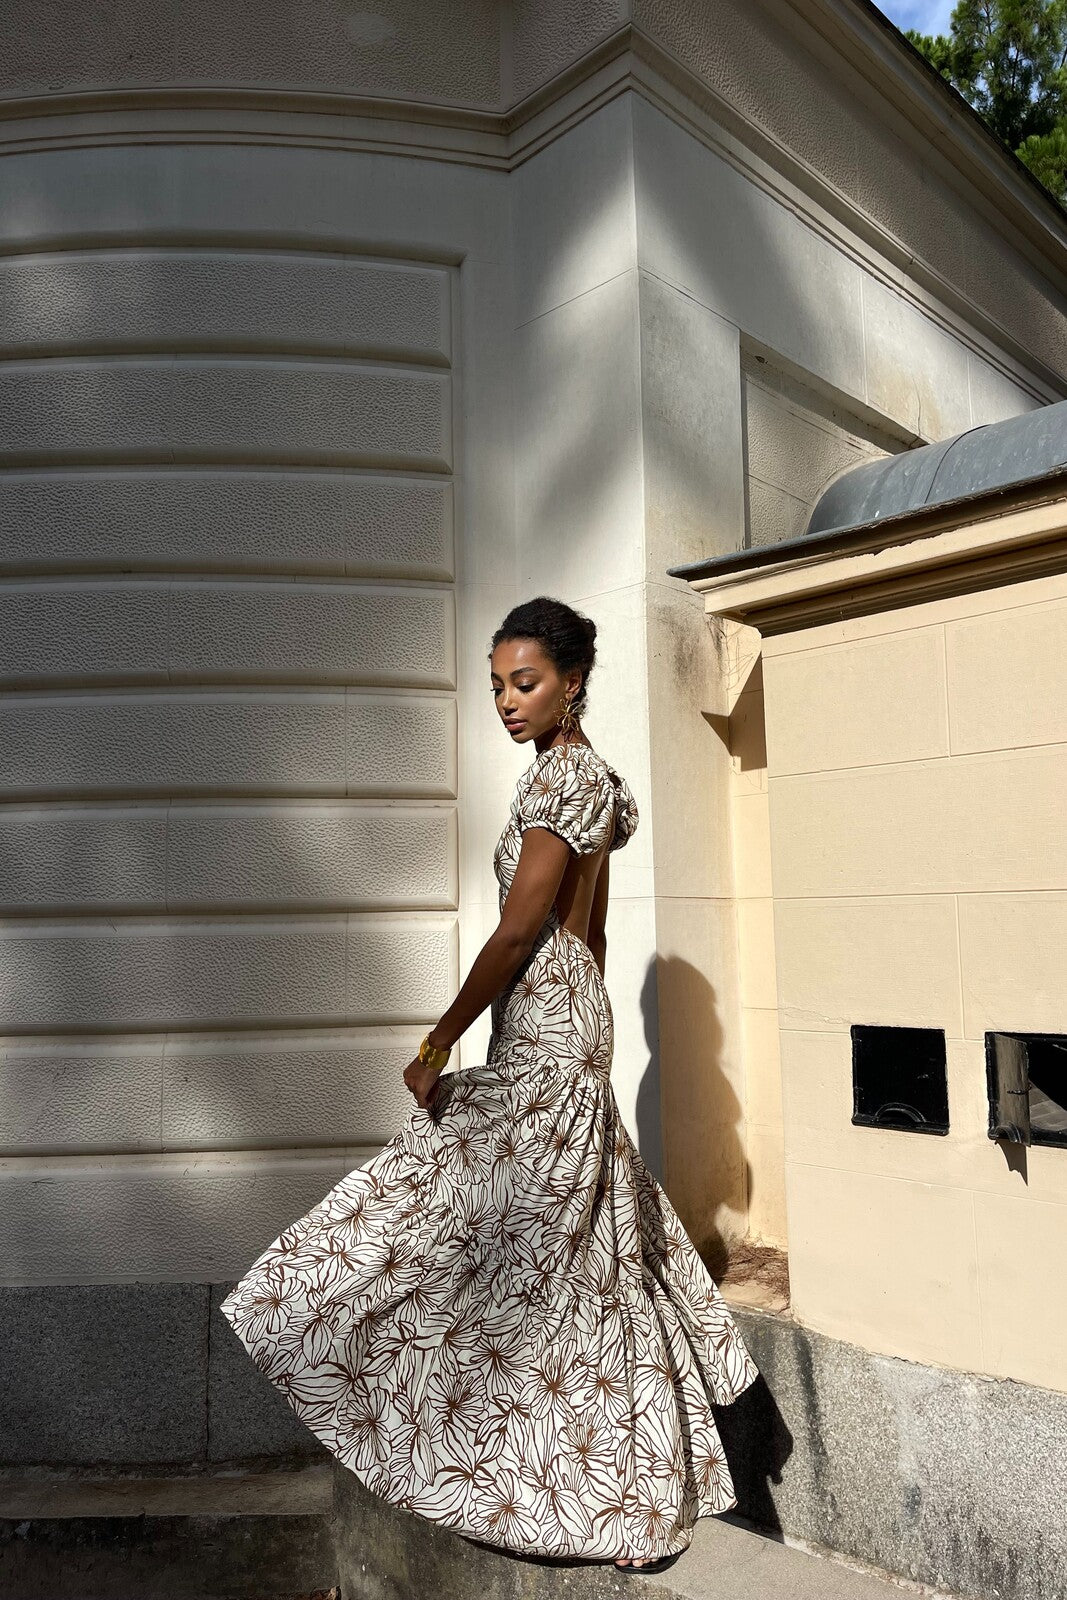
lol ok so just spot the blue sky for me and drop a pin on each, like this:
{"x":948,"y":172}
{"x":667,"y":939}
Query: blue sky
{"x":929,"y":16}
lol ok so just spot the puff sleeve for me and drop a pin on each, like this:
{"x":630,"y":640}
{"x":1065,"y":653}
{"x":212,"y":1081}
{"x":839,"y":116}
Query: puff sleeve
{"x":569,"y":797}
{"x":626,"y":817}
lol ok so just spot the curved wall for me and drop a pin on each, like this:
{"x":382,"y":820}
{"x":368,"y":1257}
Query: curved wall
{"x":229,"y":757}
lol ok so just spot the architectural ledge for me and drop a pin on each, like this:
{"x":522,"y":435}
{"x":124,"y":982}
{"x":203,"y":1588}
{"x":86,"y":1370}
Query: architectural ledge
{"x":928,"y":555}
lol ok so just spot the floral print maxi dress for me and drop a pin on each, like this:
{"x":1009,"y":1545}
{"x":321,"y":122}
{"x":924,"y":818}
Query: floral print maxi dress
{"x":499,"y":1322}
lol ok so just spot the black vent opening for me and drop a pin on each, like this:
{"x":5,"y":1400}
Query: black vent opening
{"x":899,"y":1078}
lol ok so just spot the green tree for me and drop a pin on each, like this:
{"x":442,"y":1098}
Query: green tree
{"x":1007,"y":58}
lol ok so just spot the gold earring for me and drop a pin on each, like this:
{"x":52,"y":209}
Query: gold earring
{"x":568,"y":720}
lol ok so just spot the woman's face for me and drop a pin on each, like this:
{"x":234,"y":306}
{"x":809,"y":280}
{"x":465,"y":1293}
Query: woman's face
{"x":528,"y":688}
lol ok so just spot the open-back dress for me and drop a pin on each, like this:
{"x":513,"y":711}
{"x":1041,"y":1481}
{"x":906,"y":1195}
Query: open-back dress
{"x":498,"y":1322}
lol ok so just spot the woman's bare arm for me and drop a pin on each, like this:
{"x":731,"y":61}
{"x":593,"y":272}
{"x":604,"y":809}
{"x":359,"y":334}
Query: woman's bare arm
{"x":542,"y":862}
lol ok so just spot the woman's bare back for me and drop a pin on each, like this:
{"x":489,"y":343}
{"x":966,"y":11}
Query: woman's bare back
{"x":582,"y":899}
{"x":579,"y":905}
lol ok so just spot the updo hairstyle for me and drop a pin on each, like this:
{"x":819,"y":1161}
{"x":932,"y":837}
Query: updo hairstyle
{"x":566,"y":637}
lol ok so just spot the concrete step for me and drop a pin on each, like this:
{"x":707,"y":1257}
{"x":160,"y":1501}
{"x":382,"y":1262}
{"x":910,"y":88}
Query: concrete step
{"x":218,"y":1535}
{"x":730,"y":1560}
{"x":306,"y":1490}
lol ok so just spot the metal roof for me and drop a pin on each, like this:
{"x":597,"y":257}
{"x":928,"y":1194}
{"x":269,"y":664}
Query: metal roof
{"x":982,"y":460}
{"x":990,"y":456}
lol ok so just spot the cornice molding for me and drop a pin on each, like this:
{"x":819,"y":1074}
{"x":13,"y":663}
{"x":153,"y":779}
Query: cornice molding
{"x":1008,"y":198}
{"x":888,"y":69}
{"x":944,"y":127}
{"x":832,"y":214}
{"x":1005,"y":539}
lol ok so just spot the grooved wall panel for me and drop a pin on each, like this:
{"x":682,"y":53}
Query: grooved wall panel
{"x":220,"y":1093}
{"x":228,"y":750}
{"x":178,"y":1219}
{"x":260,"y":741}
{"x":100,"y":743}
{"x":117,"y":300}
{"x":247,"y":631}
{"x":152,"y":857}
{"x":249,"y":972}
{"x":158,"y":1092}
{"x":190,"y":408}
{"x":267,"y":520}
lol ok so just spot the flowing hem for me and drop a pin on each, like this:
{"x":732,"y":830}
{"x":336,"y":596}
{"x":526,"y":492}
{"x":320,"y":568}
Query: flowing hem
{"x":425,"y":1275}
{"x":372,"y":1474}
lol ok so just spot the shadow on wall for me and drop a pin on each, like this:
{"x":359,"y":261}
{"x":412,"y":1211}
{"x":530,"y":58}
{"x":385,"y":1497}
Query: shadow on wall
{"x":755,"y":1436}
{"x":648,"y":1111}
{"x":690,"y":1127}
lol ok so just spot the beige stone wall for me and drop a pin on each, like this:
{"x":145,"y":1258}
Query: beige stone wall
{"x":916,"y":772}
{"x":754,"y":902}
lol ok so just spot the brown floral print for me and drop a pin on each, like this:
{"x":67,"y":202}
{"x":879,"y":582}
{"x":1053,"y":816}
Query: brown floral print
{"x":499,"y":1322}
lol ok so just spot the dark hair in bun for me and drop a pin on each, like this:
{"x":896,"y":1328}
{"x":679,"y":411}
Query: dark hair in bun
{"x":566,"y":637}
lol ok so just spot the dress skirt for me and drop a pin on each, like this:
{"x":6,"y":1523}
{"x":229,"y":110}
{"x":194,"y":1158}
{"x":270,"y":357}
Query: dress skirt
{"x":498,"y":1322}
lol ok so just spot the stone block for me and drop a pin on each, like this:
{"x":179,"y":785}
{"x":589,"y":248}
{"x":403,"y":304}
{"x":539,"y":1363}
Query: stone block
{"x":103,"y":1373}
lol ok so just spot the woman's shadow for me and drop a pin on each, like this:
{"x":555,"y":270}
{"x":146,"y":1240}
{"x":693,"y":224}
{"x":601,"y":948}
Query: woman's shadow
{"x":754,"y":1433}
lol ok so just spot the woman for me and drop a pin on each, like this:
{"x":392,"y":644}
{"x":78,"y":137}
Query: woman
{"x":499,"y":1322}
